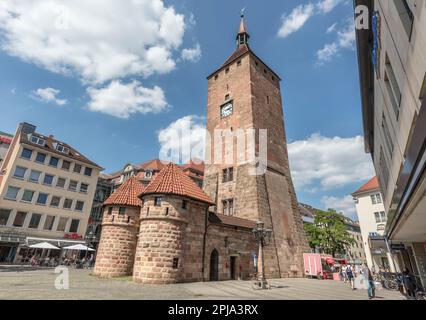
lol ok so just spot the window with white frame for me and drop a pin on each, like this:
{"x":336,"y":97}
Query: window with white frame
{"x":38,"y":140}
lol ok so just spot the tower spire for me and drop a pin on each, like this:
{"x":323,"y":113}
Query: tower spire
{"x":242,"y":36}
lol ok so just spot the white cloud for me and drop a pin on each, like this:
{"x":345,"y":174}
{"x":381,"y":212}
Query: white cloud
{"x":329,"y":162}
{"x":48,"y":95}
{"x":98,"y":40}
{"x":296,"y":19}
{"x":325,"y":6}
{"x":183,"y":139}
{"x":192,"y":54}
{"x":345,"y":40}
{"x":343,"y":204}
{"x":121,"y":100}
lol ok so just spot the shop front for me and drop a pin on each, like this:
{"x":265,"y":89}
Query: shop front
{"x":9,"y":245}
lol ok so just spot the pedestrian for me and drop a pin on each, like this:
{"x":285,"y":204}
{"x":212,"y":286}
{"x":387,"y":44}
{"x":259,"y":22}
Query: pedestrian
{"x":350,"y":276}
{"x":407,"y":280}
{"x":345,"y":279}
{"x":368,"y":278}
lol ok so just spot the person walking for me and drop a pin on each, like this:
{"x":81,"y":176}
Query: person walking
{"x":350,"y":276}
{"x":368,"y":278}
{"x":407,"y":280}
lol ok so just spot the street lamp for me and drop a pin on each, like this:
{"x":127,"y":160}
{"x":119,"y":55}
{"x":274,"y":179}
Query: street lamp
{"x":89,"y":238}
{"x":263,"y":237}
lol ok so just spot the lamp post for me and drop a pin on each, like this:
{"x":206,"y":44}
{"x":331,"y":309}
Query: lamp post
{"x":263,"y":237}
{"x":89,"y":238}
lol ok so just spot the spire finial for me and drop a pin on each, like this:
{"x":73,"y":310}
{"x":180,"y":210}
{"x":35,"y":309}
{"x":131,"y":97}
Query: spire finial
{"x":242,"y":36}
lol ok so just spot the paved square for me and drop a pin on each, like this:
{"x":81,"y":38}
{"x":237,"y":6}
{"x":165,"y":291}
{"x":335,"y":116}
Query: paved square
{"x":25,"y":283}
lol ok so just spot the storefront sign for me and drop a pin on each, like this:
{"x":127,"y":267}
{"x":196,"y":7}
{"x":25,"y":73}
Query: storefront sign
{"x":376,"y":42}
{"x":5,"y":140}
{"x":397,"y":247}
{"x":73,"y":236}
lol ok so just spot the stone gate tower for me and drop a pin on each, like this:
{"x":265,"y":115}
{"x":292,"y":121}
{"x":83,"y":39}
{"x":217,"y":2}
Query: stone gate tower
{"x":244,"y":93}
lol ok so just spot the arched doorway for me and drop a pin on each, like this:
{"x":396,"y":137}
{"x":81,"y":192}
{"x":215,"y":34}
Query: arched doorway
{"x":214,"y":265}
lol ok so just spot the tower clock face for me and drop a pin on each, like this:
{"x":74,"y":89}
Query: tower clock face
{"x":226,"y":109}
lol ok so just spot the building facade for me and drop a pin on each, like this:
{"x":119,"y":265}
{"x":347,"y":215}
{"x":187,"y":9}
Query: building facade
{"x":46,"y":192}
{"x":372,"y":219}
{"x":393,"y":86}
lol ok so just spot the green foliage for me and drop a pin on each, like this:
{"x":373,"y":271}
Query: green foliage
{"x":329,"y":233}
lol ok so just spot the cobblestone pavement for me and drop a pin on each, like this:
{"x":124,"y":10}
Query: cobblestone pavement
{"x":26,"y":283}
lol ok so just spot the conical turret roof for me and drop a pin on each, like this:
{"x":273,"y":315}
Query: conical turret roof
{"x":172,"y":180}
{"x":127,"y":194}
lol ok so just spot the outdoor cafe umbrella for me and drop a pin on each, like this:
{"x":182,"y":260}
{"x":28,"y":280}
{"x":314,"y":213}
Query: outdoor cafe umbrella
{"x":44,"y":245}
{"x":79,"y":247}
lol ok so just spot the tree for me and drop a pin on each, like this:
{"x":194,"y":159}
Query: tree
{"x":329,"y":233}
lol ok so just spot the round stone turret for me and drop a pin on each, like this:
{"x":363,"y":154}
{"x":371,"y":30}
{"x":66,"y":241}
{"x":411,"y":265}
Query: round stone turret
{"x":171,"y":202}
{"x":120,"y":227}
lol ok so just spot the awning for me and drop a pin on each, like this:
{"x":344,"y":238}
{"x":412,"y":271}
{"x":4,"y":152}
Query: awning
{"x":79,"y":247}
{"x":329,"y":261}
{"x":44,"y":245}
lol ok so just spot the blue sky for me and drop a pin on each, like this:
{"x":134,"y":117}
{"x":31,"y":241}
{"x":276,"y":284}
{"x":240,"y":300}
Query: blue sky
{"x":46,"y":79}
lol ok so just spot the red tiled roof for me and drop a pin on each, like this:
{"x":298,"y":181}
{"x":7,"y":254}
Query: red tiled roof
{"x":198,"y":166}
{"x":155,"y":164}
{"x":172,"y":180}
{"x":230,"y":220}
{"x":127,"y":194}
{"x":372,"y":184}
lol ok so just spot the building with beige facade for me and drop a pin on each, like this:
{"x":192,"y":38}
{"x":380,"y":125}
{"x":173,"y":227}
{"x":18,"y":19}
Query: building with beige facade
{"x":372,"y":219}
{"x":46,"y":193}
{"x":392,"y":65}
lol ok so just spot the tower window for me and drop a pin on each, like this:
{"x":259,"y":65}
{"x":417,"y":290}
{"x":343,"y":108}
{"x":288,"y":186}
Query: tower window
{"x":227,"y":70}
{"x":122,"y":210}
{"x":239,"y":63}
{"x":257,"y":63}
{"x":228,"y":174}
{"x":109,"y":210}
{"x":273,"y":78}
{"x":227,"y":97}
{"x":175,"y":263}
{"x":216,"y":76}
{"x":264,"y":71}
{"x":167,"y":211}
{"x":228,"y":207}
{"x":157,"y":201}
{"x":184,"y":204}
{"x":267,"y":99}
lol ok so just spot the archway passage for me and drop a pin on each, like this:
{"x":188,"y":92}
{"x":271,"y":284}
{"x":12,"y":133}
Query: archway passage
{"x":214,"y":266}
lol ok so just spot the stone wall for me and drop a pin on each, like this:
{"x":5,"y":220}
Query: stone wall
{"x":117,"y":245}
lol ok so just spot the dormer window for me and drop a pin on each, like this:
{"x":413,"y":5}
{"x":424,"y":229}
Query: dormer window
{"x":148,"y":174}
{"x":62,"y":149}
{"x":38,"y":140}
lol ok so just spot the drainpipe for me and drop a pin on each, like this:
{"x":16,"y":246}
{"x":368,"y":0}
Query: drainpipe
{"x":206,"y":219}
